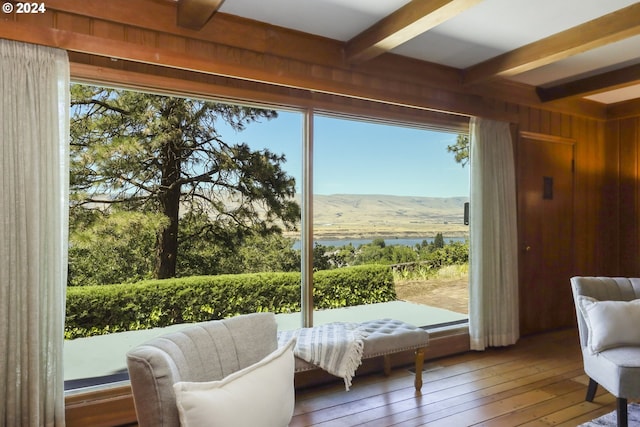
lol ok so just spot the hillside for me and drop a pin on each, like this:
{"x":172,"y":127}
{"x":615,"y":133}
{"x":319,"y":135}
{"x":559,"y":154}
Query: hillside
{"x":349,"y":215}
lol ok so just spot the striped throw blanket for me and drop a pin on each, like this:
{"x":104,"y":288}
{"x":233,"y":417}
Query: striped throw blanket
{"x":335,"y":347}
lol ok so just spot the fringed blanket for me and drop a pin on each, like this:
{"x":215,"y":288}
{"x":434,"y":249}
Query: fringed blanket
{"x":335,"y":347}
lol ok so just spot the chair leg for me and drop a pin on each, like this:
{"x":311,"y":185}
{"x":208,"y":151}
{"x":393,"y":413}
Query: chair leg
{"x":591,"y":390}
{"x":621,"y":410}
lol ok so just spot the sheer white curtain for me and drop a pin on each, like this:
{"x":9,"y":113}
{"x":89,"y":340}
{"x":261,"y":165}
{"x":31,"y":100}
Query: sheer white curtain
{"x":34,"y":130}
{"x":493,"y":281}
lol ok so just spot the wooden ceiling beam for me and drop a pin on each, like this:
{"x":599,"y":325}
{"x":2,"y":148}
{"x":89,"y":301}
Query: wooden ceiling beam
{"x":610,"y":80}
{"x":411,"y":20}
{"x":607,"y":29}
{"x":194,"y":14}
{"x":624,"y":110}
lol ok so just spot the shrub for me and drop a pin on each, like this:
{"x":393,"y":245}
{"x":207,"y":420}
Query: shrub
{"x":97,"y":310}
{"x":346,"y":287}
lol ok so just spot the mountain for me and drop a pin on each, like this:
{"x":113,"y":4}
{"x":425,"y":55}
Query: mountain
{"x":358,"y":215}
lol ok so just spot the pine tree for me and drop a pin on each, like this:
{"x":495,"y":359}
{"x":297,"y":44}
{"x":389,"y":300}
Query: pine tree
{"x":162,"y":154}
{"x":460,"y":150}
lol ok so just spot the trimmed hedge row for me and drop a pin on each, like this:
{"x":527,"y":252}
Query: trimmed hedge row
{"x":97,"y":310}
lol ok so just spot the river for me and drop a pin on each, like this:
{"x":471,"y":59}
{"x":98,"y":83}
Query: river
{"x":388,"y":241}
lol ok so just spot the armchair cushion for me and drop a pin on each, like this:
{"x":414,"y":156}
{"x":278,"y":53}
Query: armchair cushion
{"x":261,"y":394}
{"x":207,"y":351}
{"x":610,"y":323}
{"x":617,"y":370}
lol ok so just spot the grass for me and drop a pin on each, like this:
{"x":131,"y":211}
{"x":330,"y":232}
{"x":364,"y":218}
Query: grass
{"x":425,"y":272}
{"x":453,"y":271}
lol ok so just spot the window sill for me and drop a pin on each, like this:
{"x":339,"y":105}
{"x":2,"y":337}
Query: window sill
{"x":102,"y":406}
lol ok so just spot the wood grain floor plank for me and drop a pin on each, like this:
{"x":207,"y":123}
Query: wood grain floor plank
{"x":568,"y":393}
{"x":454,"y":400}
{"x":537,"y":382}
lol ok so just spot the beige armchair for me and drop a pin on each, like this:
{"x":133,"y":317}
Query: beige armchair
{"x":203,"y":353}
{"x":608,"y":324}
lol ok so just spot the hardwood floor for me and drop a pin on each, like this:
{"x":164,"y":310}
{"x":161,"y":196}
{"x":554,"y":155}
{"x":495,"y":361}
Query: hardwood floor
{"x":538,"y":382}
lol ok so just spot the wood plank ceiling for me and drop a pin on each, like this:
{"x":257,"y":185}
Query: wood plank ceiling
{"x":603,"y":32}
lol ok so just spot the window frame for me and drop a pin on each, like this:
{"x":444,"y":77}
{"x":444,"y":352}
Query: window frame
{"x":193,"y":84}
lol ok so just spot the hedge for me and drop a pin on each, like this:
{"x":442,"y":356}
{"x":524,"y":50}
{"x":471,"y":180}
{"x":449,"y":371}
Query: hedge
{"x":97,"y":310}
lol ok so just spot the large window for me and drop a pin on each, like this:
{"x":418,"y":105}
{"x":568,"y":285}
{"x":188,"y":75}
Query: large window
{"x":185,"y":210}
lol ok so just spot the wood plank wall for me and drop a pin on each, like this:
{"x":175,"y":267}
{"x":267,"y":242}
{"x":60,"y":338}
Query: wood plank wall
{"x":623,"y":139}
{"x":589,"y":218}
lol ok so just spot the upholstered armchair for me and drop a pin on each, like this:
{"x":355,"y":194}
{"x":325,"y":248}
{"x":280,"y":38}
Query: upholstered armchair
{"x":225,"y":372}
{"x":608,"y":312}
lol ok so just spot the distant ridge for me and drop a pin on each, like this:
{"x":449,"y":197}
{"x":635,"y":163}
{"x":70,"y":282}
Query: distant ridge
{"x":371,"y":215}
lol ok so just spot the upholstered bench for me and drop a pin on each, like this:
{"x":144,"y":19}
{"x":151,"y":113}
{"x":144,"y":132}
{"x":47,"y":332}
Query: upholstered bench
{"x":386,"y":337}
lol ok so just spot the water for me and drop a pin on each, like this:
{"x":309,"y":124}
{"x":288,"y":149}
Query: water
{"x":389,"y":241}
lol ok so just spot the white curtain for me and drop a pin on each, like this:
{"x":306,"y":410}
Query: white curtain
{"x":34,"y":138}
{"x":493,"y":281}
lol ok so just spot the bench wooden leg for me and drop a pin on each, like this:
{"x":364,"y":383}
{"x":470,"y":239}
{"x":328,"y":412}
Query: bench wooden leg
{"x":419,"y":365}
{"x":387,"y":365}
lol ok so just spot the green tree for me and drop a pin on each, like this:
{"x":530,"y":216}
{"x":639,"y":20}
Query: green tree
{"x":271,"y":253}
{"x":438,"y":241}
{"x":449,"y":254}
{"x":112,"y":248}
{"x":377,"y":252}
{"x":379,"y":241}
{"x":161,"y":154}
{"x":206,"y":248}
{"x":400,"y":254}
{"x":341,"y":256}
{"x":460,"y":150}
{"x":321,"y":258}
{"x":369,"y":253}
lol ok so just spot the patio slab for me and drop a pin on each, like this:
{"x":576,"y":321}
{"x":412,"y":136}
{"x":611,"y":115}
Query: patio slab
{"x":415,"y":314}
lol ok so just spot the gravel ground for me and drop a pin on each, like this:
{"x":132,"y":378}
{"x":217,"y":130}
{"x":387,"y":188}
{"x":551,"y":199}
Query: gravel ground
{"x":450,"y":294}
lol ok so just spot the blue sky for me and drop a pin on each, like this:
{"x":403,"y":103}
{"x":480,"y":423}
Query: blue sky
{"x":357,"y":157}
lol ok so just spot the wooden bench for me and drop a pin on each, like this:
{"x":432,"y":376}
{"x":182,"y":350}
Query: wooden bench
{"x":386,"y":337}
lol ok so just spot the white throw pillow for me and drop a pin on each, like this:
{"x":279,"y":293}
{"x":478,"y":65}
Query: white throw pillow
{"x":259,"y":395}
{"x":610,"y":323}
